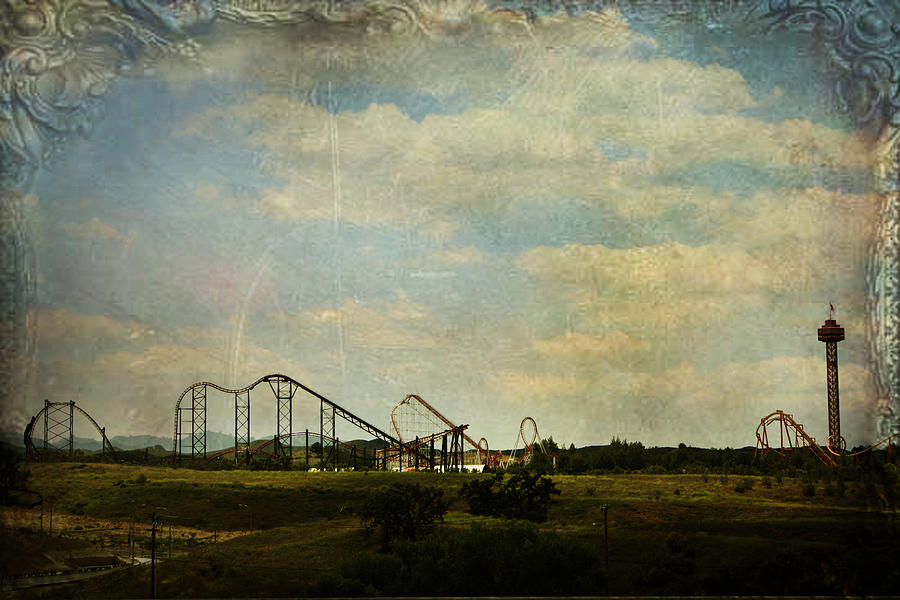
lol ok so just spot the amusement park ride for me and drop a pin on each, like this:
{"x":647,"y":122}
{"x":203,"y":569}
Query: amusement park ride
{"x":792,"y":437}
{"x":416,"y":425}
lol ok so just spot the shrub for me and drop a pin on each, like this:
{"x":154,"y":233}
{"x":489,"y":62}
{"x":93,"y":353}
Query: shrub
{"x":12,"y":478}
{"x":403,"y":511}
{"x":748,"y":483}
{"x":767,"y":482}
{"x":522,"y":496}
{"x":141,"y":478}
{"x":809,"y":489}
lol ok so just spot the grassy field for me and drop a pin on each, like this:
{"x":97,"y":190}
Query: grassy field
{"x":667,"y":533}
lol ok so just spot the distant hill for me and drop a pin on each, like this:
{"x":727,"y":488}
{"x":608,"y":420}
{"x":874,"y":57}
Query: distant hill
{"x":138,"y":442}
{"x":16,"y":440}
{"x":214,"y":441}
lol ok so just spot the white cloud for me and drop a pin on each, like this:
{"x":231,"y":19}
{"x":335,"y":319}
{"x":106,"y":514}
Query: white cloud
{"x":54,"y":326}
{"x":95,"y":229}
{"x":574,"y":344}
{"x":399,"y":325}
{"x":534,"y":390}
{"x":538,"y":142}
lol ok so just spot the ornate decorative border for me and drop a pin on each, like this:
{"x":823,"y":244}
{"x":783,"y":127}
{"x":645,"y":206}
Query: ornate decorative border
{"x":58,"y":57}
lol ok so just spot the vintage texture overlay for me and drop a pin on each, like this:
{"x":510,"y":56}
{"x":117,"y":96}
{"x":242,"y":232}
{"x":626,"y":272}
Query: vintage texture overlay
{"x":60,"y":58}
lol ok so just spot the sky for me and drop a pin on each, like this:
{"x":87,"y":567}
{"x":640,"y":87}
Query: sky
{"x":618,"y":229}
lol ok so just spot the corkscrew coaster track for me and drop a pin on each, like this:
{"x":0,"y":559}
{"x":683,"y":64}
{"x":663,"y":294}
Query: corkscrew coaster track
{"x":792,"y":438}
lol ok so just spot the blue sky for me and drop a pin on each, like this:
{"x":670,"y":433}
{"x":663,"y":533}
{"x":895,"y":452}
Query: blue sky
{"x":614,"y":229}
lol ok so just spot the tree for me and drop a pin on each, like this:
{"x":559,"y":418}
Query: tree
{"x":11,"y":477}
{"x":403,"y":510}
{"x":523,"y":495}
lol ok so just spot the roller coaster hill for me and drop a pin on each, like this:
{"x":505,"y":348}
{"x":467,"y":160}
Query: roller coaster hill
{"x":421,"y":437}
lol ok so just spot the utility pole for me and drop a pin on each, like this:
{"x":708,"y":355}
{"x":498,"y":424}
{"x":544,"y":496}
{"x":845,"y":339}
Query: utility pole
{"x":605,"y":509}
{"x":153,"y":557}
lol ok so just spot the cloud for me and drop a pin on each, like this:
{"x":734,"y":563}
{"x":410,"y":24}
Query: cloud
{"x":95,"y":229}
{"x":452,"y":257}
{"x":715,"y":407}
{"x":533,"y":390}
{"x":574,"y":344}
{"x":540,"y":139}
{"x":399,"y":325}
{"x":55,"y":326}
{"x":669,"y":269}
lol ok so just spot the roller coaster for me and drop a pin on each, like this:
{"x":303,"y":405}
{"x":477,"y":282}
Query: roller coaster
{"x":529,"y":436}
{"x":58,"y":418}
{"x":415,"y":419}
{"x":793,"y":438}
{"x":189,"y":437}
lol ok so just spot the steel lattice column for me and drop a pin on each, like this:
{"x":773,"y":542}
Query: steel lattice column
{"x":58,"y":420}
{"x":241,"y":425}
{"x":283,"y":389}
{"x":198,"y":421}
{"x":831,"y":333}
{"x":326,"y":429}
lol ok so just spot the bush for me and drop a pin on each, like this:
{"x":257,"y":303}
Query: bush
{"x":748,"y":483}
{"x":809,"y":489}
{"x":767,"y":482}
{"x":521,"y":496}
{"x":403,"y":511}
{"x":12,"y":479}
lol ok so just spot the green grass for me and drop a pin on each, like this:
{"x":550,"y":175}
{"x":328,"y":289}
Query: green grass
{"x":304,"y":526}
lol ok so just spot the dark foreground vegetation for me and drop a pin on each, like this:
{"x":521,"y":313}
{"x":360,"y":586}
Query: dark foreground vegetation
{"x":680,"y":521}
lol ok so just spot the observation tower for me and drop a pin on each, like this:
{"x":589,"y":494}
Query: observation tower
{"x":831,"y":333}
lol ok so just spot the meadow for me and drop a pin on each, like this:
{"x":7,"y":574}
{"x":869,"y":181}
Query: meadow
{"x":667,"y":533}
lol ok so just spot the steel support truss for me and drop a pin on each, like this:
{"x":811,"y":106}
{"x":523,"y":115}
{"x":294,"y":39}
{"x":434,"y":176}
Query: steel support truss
{"x":58,"y":435}
{"x":284,"y":389}
{"x":326,"y":432}
{"x":198,"y":422}
{"x":241,"y":426}
{"x":834,"y":412}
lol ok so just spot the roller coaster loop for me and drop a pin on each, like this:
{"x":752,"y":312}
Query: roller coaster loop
{"x":58,"y":420}
{"x":528,"y":433}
